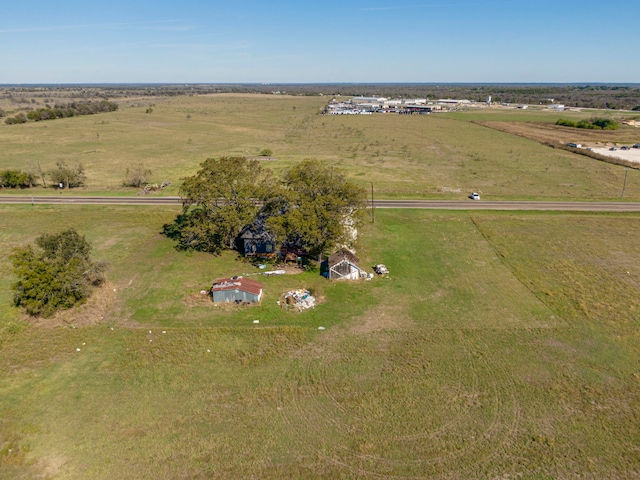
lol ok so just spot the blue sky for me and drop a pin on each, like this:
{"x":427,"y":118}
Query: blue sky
{"x":328,"y":41}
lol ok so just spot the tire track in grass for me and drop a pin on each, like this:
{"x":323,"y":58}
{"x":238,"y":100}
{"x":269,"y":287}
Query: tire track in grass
{"x":501,"y":424}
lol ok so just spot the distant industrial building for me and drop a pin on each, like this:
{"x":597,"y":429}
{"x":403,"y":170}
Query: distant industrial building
{"x":369,"y":105}
{"x":358,"y":100}
{"x":452,"y":101}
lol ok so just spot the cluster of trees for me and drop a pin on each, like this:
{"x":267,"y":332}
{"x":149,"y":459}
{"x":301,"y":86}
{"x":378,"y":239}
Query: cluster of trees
{"x":16,"y":179}
{"x":592,"y":124}
{"x":57,"y":274}
{"x":311,"y":205}
{"x":591,"y":96}
{"x":72,"y":109}
{"x":65,"y":175}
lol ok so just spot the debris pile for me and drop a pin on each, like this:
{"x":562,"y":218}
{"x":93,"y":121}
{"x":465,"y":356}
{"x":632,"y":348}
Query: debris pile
{"x":299,"y":299}
{"x":154,"y":187}
{"x":381,"y":269}
{"x":274,"y":272}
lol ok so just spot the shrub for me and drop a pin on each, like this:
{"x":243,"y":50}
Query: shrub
{"x":606,"y":123}
{"x":137,"y":176}
{"x":19,"y":118}
{"x":16,"y":179}
{"x":55,"y":275}
{"x":592,"y":124}
{"x":69,"y":177}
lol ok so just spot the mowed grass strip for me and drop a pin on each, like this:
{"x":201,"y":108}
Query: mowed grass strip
{"x":424,"y":374}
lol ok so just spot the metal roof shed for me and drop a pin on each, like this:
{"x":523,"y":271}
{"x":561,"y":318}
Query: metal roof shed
{"x":343,"y":265}
{"x":238,"y":289}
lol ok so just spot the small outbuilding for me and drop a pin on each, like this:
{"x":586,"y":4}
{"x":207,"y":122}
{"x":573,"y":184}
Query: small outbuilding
{"x":236,"y":289}
{"x":343,"y":265}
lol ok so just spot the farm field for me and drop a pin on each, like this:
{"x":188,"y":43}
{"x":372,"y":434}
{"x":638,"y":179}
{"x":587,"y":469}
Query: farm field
{"x":502,"y":344}
{"x":404,"y":156}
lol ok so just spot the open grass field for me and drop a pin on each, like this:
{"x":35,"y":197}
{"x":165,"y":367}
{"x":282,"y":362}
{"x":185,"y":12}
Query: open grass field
{"x":404,"y":156}
{"x":502,"y":345}
{"x":550,"y":133}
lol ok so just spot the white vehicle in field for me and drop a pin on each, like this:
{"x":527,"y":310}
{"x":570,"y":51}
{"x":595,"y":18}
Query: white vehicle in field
{"x":474,"y":196}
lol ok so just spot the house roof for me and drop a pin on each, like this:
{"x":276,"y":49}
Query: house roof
{"x":239,"y":283}
{"x":343,"y":254}
{"x":258,"y":230}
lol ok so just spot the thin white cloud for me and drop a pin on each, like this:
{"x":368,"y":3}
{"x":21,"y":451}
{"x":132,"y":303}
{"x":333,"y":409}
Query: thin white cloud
{"x":410,"y":7}
{"x":154,"y":24}
{"x":240,"y":45}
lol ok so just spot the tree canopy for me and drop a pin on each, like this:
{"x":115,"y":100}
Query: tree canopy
{"x":311,"y":205}
{"x":68,"y":176}
{"x":16,"y":179}
{"x":55,"y":275}
{"x":218,"y":201}
{"x":320,"y":207}
{"x":592,"y":124}
{"x":63,"y":111}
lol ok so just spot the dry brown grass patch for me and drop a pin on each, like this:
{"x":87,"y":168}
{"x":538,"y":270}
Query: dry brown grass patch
{"x":551,"y":133}
{"x":197,"y":299}
{"x":383,"y":317}
{"x":94,"y":311}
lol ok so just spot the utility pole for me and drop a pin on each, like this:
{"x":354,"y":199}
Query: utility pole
{"x":624,"y":185}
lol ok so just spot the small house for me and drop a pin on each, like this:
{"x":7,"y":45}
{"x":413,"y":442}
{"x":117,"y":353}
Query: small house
{"x":255,"y":240}
{"x":343,"y":265}
{"x":236,"y":289}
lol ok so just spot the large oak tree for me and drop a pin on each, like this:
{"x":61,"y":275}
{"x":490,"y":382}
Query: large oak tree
{"x":313,"y":205}
{"x":218,"y":201}
{"x":319,"y":208}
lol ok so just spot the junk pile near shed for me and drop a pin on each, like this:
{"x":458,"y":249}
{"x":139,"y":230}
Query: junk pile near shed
{"x":299,"y":300}
{"x":381,"y":269}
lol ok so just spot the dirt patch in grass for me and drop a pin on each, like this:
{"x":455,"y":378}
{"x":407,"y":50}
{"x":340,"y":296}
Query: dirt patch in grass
{"x":292,"y":269}
{"x":94,"y":311}
{"x":198,"y":299}
{"x":549,"y":132}
{"x":383,"y":317}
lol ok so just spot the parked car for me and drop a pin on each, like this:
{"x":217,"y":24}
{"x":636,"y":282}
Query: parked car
{"x":637,"y":145}
{"x":474,"y":196}
{"x":624,"y":147}
{"x":613,"y":149}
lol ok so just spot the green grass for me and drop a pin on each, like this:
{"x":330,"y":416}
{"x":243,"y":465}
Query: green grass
{"x":404,"y":156}
{"x":501,"y":344}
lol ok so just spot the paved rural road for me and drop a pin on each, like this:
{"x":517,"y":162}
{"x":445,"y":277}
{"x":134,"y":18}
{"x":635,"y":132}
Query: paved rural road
{"x":424,"y":204}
